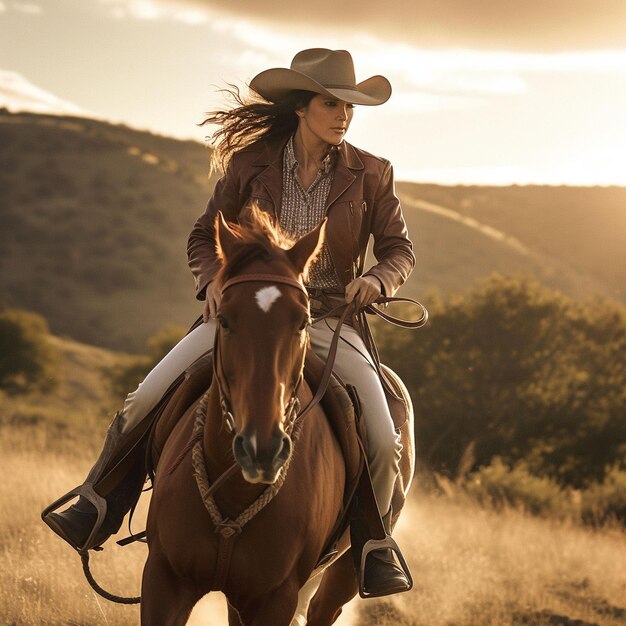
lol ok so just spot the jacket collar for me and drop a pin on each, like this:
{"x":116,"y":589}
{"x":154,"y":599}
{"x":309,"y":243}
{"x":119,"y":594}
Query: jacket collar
{"x":271,"y":152}
{"x":271,"y":158}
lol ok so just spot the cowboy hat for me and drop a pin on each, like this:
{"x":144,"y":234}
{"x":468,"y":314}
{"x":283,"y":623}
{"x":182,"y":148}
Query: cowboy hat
{"x":327,"y":72}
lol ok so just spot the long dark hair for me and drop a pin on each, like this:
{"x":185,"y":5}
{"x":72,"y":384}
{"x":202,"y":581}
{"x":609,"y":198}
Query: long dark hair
{"x":251,"y":119}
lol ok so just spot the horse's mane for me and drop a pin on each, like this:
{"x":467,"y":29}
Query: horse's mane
{"x":259,"y":238}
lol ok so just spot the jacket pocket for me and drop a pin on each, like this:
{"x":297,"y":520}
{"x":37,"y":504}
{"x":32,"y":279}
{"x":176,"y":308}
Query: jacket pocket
{"x":358,"y":213}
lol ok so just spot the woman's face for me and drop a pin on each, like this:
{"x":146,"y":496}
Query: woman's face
{"x":326,"y":119}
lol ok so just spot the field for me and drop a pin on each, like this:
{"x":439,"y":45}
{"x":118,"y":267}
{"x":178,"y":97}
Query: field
{"x":472,"y":566}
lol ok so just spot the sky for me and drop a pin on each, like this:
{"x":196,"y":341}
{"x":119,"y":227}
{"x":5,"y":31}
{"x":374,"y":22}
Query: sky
{"x":484,"y":92}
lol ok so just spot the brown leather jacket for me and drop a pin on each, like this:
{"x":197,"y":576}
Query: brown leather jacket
{"x":361,"y":202}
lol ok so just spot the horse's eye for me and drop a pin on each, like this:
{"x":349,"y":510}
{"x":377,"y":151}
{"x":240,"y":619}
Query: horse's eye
{"x":222,"y":322}
{"x":304,"y":324}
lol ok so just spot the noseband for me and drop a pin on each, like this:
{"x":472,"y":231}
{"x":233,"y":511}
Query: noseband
{"x":291,"y":410}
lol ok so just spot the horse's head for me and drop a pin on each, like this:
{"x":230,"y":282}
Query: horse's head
{"x":261,"y":337}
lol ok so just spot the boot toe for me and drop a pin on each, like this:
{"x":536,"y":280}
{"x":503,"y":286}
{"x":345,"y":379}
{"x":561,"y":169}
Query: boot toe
{"x":383,"y":577}
{"x":76,"y":534}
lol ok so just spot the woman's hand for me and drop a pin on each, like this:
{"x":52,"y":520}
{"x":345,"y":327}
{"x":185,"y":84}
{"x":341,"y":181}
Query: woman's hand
{"x":363,"y":291}
{"x":211,"y":303}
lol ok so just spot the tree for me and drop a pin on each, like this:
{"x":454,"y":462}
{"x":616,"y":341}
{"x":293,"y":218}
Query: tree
{"x":27,"y":357}
{"x":516,"y":370}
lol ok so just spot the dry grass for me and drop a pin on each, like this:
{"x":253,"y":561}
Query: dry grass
{"x":471,"y":566}
{"x":478,"y":567}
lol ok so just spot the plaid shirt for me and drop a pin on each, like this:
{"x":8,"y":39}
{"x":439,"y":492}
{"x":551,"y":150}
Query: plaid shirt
{"x":303,"y":209}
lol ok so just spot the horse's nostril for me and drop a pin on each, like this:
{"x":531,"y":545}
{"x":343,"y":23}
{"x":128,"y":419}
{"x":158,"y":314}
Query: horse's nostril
{"x":285,"y":450}
{"x":239,"y":448}
{"x":245,"y":447}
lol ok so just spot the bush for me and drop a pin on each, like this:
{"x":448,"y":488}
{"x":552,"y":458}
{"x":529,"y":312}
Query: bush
{"x":518,"y":371}
{"x":27,"y":358}
{"x":605,"y":501}
{"x":499,"y":485}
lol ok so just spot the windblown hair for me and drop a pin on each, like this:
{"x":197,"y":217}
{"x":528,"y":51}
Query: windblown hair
{"x":251,"y":119}
{"x":259,"y":237}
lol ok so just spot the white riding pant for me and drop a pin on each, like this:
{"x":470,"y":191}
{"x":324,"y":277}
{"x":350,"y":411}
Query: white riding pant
{"x":353,"y":365}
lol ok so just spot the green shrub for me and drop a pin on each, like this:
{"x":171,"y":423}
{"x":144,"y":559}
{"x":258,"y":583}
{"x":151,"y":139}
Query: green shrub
{"x":517,"y":371}
{"x":27,"y":358}
{"x":499,"y":485}
{"x":605,"y":501}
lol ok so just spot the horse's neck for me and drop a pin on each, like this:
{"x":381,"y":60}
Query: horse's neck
{"x":236,"y":493}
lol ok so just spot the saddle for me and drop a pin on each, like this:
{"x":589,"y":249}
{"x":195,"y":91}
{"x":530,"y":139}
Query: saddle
{"x":342,"y":409}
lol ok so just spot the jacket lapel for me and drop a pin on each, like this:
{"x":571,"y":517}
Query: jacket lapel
{"x":347,"y":161}
{"x":272,"y":176}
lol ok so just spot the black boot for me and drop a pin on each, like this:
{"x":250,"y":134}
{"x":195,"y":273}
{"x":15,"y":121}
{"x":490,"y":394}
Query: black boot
{"x":384,"y":571}
{"x":111,"y":488}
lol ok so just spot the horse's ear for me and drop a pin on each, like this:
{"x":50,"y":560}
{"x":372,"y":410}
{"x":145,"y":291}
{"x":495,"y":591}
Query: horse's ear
{"x":304,"y":251}
{"x":225,"y":238}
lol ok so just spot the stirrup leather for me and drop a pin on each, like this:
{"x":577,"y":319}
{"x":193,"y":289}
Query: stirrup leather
{"x":382,"y":544}
{"x":87,"y":491}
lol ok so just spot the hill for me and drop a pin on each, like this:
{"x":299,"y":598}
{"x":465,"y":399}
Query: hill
{"x":94,"y":220}
{"x":571,"y":238}
{"x":72,"y":417}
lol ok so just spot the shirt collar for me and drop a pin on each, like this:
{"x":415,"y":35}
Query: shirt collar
{"x":327,"y":163}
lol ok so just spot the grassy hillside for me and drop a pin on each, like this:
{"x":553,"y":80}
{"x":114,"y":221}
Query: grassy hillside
{"x":571,"y":238}
{"x":74,"y":415}
{"x":94,"y":220}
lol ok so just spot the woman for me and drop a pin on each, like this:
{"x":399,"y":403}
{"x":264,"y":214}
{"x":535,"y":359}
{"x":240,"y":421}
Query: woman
{"x":286,"y":152}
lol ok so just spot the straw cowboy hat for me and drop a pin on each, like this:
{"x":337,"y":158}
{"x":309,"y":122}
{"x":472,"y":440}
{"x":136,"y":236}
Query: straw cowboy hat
{"x":327,"y":72}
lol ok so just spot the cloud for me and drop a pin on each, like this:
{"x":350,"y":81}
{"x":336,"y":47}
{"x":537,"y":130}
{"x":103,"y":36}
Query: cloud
{"x":28,"y":8}
{"x":17,"y":93}
{"x":152,"y":10}
{"x":480,"y":24}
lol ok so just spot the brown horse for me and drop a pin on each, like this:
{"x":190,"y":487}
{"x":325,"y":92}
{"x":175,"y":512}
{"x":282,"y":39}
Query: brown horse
{"x":267,"y":572}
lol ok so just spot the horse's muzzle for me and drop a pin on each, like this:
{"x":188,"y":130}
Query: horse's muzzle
{"x":262,"y":464}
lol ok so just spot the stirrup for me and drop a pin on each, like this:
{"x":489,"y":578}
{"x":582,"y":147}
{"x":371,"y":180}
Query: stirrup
{"x":87,"y":491}
{"x":381,"y":544}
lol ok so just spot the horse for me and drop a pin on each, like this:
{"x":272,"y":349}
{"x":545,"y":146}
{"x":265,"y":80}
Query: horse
{"x":267,"y":568}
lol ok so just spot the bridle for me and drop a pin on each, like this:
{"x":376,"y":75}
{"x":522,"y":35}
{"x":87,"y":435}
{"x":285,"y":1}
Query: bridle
{"x":291,"y":413}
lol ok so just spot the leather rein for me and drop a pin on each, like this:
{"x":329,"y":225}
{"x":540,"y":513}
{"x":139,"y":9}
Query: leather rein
{"x":341,"y":312}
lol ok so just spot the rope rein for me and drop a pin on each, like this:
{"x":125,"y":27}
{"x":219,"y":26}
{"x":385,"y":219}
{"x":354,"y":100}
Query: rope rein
{"x":227,"y":527}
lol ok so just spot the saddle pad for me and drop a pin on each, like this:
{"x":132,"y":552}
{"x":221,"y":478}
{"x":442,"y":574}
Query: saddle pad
{"x":339,"y":408}
{"x":398,"y":398}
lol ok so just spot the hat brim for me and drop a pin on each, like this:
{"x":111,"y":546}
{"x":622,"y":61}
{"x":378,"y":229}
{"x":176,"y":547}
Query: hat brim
{"x":275,"y":85}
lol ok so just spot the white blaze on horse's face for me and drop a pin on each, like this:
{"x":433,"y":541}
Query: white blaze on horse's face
{"x":266,"y":297}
